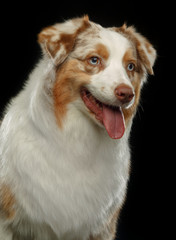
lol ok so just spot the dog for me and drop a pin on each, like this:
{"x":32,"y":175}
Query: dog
{"x":64,"y":152}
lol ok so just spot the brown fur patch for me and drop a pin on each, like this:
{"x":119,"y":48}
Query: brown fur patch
{"x":69,"y":80}
{"x":102,"y":51}
{"x":139,"y":43}
{"x":7,"y":202}
{"x":47,"y":35}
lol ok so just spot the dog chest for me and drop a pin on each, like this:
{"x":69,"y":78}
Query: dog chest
{"x":67,"y":189}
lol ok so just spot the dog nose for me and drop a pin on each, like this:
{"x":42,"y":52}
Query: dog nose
{"x":124,"y":93}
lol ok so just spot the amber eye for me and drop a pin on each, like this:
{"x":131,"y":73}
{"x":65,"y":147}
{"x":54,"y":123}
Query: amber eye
{"x":94,"y":61}
{"x":131,"y":67}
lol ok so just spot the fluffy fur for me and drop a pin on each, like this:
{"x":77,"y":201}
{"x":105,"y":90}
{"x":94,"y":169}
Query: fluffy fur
{"x":62,"y":175}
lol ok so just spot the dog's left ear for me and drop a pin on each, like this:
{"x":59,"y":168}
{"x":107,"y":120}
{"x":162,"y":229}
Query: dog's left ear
{"x":145,"y":51}
{"x":57,"y":41}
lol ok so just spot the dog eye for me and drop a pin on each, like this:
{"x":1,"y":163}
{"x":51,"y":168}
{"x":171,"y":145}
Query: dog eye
{"x":130,"y":67}
{"x":94,"y":61}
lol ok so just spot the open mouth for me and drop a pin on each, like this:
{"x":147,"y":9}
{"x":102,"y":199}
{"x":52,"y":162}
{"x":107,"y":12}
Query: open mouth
{"x":111,"y":117}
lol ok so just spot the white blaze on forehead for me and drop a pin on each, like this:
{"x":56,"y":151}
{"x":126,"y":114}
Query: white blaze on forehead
{"x":116,"y":43}
{"x":117,"y":46}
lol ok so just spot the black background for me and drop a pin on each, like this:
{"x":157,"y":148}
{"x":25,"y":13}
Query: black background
{"x":149,"y":194}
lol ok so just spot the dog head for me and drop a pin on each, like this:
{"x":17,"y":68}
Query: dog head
{"x":102,"y":68}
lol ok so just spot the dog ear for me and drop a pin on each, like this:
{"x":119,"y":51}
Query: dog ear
{"x":145,"y":51}
{"x":57,"y":41}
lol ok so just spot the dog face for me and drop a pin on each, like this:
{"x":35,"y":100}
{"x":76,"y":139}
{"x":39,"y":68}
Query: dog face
{"x":102,"y":68}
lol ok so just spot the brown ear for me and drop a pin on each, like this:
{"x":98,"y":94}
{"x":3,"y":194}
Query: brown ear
{"x":145,"y":51}
{"x":58,"y":40}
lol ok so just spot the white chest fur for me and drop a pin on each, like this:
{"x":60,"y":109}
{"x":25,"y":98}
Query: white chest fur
{"x":71,"y":181}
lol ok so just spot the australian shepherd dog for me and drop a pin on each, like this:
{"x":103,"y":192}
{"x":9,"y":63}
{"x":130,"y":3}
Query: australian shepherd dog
{"x":64,"y":152}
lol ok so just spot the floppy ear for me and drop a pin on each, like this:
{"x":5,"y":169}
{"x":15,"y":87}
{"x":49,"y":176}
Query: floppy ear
{"x":145,"y":51}
{"x":57,"y":41}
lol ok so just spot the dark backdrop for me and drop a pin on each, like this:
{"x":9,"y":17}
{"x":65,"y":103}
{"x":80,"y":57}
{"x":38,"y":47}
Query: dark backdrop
{"x":143,"y":216}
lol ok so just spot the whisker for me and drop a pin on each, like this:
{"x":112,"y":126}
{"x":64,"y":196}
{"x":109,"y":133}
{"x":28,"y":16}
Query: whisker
{"x":139,"y":110}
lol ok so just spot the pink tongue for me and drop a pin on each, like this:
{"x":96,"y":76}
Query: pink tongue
{"x":113,"y":122}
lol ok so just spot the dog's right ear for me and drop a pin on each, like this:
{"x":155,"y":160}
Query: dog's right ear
{"x":57,"y":41}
